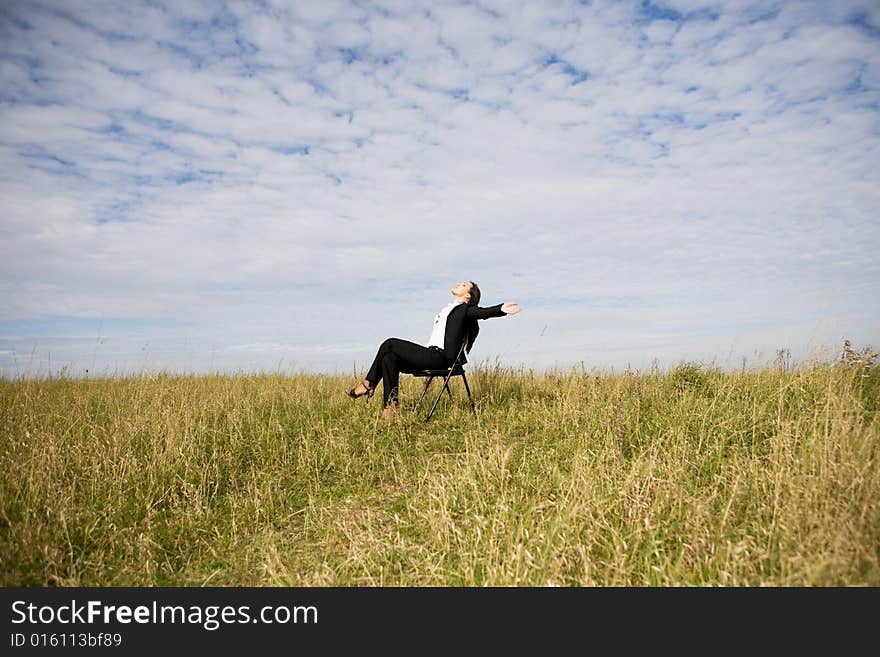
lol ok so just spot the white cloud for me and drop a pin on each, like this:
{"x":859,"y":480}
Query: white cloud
{"x":280,"y":174}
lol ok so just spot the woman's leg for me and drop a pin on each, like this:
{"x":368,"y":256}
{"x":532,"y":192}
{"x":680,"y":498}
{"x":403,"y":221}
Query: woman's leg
{"x":374,"y":374}
{"x":390,"y":378}
{"x":396,"y":355}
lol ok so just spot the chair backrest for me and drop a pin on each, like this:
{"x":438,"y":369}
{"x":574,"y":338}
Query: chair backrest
{"x":459,"y":359}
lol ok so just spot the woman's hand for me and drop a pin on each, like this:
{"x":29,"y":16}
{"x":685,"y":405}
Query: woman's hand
{"x":510,"y":308}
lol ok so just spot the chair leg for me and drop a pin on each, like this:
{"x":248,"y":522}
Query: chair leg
{"x":468,"y":388}
{"x":424,"y":390}
{"x":436,"y":401}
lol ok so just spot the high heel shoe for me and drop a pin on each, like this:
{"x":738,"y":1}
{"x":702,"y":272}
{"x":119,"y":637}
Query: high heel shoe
{"x":369,"y":392}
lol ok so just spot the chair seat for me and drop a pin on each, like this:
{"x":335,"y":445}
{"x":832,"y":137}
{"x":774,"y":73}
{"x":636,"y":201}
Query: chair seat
{"x":441,"y":372}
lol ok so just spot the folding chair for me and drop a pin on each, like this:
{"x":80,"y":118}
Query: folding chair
{"x":456,"y":369}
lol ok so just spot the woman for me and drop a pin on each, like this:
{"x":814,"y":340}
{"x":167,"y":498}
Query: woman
{"x":452,"y":323}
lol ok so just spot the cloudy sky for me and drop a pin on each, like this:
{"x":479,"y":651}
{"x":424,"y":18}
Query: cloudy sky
{"x":247,"y":186}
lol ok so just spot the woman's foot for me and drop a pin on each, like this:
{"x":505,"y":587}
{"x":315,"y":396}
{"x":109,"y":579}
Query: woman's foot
{"x":363,"y":388}
{"x":389,"y":412}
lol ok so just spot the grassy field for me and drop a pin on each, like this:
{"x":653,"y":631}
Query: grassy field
{"x":687,"y":477}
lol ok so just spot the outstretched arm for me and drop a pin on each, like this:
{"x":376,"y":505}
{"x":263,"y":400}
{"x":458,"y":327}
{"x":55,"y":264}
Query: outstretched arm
{"x":500,"y":310}
{"x":455,"y":323}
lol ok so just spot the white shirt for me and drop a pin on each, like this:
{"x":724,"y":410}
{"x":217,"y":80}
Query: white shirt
{"x":438,"y":335}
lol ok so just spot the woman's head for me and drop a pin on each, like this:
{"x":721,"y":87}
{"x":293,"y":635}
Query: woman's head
{"x":467,"y":291}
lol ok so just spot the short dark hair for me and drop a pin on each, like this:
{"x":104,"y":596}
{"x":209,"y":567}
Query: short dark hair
{"x":475,"y":295}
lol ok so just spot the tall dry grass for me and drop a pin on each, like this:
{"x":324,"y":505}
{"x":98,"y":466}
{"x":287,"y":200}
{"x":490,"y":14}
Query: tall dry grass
{"x":689,"y":477}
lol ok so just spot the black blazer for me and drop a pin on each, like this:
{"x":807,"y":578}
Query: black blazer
{"x":456,"y":323}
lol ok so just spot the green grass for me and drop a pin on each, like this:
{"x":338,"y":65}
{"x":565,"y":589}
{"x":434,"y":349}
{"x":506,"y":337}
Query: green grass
{"x":694,"y":477}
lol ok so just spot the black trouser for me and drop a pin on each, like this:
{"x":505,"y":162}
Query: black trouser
{"x":396,"y":356}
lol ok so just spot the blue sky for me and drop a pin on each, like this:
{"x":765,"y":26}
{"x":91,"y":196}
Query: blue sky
{"x":247,"y":186}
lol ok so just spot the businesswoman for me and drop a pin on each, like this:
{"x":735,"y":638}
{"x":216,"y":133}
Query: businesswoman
{"x":454,"y":321}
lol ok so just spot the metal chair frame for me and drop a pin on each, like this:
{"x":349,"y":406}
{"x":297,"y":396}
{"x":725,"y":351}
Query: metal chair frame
{"x":456,"y":369}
